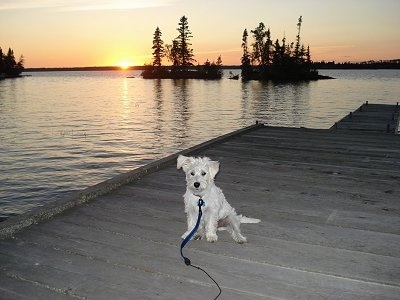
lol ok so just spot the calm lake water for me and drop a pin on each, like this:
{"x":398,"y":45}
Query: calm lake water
{"x":63,"y":131}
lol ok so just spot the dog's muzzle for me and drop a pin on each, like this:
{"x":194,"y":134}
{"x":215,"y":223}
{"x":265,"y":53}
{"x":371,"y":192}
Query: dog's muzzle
{"x":196,"y":185}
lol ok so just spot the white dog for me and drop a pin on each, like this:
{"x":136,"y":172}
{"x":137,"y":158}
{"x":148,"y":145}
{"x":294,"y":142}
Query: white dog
{"x":217,"y":212}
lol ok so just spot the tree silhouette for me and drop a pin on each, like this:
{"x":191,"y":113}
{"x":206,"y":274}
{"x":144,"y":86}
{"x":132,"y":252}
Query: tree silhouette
{"x":9,"y":60}
{"x":274,"y":60}
{"x":308,"y":56}
{"x":180,"y":54}
{"x":267,"y":53}
{"x":297,"y":52}
{"x":212,"y":70}
{"x":185,"y":53}
{"x":262,"y":45}
{"x":158,"y":48}
{"x":258,"y":44}
{"x":219,"y":61}
{"x":8,"y":65}
{"x":2,"y":66}
{"x":173,"y":53}
{"x":245,"y":60}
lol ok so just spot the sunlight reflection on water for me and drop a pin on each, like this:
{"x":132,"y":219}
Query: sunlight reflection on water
{"x":63,"y":131}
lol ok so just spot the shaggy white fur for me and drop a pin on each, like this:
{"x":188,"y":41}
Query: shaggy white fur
{"x":217,"y":212}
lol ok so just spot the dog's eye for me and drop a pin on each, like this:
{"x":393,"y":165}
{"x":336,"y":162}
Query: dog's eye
{"x":192,"y":173}
{"x":203,"y":173}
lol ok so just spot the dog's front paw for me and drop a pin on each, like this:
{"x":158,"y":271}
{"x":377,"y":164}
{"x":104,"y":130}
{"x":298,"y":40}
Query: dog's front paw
{"x":212,"y":237}
{"x":240,"y":239}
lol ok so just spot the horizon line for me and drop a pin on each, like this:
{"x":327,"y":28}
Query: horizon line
{"x":397,"y":60}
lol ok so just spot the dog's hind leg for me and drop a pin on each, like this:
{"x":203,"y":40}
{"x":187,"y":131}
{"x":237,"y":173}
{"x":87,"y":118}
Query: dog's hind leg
{"x":234,"y":229}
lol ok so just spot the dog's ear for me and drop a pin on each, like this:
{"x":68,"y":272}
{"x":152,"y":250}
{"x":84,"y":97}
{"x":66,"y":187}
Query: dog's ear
{"x":183,"y":162}
{"x":214,"y":168}
{"x":180,"y":161}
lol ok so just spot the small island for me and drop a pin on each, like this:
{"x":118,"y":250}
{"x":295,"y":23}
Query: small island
{"x":180,"y":54}
{"x":279,"y":60}
{"x":9,"y":67}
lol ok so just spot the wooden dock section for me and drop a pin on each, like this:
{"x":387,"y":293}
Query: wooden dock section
{"x":330,"y":229}
{"x":372,"y":117}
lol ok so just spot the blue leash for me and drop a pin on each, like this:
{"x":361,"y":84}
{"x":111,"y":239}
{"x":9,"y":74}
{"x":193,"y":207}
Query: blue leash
{"x":187,"y":239}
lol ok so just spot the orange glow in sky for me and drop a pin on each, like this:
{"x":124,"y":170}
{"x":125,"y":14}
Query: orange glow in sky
{"x":64,"y":33}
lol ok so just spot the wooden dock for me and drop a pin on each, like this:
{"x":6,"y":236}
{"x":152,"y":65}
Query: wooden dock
{"x":372,"y":117}
{"x":328,"y":201}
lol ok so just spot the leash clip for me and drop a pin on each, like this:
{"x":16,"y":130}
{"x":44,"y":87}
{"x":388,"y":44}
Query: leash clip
{"x":200,"y":202}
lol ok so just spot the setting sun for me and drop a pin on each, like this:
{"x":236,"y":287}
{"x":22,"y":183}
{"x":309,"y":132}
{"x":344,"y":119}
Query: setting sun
{"x":124,"y":64}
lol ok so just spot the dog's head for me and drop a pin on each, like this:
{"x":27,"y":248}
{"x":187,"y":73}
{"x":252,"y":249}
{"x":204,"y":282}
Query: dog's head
{"x":200,"y":172}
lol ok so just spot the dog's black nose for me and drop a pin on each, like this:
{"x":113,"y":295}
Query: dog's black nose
{"x":196,"y":184}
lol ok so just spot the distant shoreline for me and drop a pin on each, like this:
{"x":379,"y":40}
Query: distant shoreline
{"x":105,"y":68}
{"x":318,"y":65}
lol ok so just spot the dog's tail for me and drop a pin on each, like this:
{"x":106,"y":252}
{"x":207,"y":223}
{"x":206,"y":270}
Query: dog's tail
{"x":244,"y":219}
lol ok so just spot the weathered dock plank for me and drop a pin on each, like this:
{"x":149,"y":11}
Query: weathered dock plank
{"x":328,"y":201}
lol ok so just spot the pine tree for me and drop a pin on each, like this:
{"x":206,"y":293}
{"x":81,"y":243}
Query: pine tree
{"x":2,"y":68}
{"x":245,"y":60}
{"x":21,"y":61}
{"x":8,"y":65}
{"x":219,"y":61}
{"x":277,"y":57}
{"x":217,"y":68}
{"x":9,"y":60}
{"x":267,"y":53}
{"x":258,"y":45}
{"x":158,"y":48}
{"x":302,"y":54}
{"x":185,"y":55}
{"x":308,"y":56}
{"x":297,"y":53}
{"x":211,"y":70}
{"x":172,"y":53}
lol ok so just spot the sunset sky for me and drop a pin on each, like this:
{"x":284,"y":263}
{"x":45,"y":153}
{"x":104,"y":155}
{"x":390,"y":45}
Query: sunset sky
{"x":75,"y":33}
